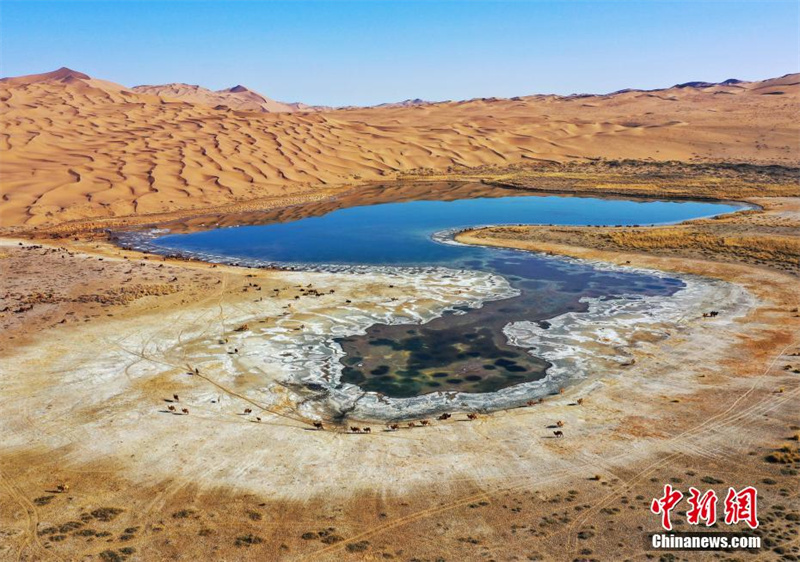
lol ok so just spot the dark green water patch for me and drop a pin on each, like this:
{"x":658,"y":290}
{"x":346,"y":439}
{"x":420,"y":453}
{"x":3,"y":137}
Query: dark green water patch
{"x":449,"y":353}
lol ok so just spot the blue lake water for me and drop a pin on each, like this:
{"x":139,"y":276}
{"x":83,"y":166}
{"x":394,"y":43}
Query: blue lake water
{"x":400,"y":233}
{"x":463,"y":352}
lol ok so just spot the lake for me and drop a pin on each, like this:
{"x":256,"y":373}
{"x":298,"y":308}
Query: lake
{"x":464,"y":350}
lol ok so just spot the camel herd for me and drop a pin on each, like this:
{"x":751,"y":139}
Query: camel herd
{"x":184,"y":411}
{"x":320,"y":426}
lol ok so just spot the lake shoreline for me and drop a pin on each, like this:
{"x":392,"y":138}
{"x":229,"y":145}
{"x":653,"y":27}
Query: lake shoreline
{"x":481,"y":377}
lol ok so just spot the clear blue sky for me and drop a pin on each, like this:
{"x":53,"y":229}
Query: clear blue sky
{"x":368,"y":52}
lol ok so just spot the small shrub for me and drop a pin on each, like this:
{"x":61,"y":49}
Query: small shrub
{"x":106,"y":514}
{"x":332,"y":539}
{"x":359,"y":546}
{"x":70,"y":526}
{"x":248,"y":540}
{"x":111,"y":556}
{"x":711,"y":480}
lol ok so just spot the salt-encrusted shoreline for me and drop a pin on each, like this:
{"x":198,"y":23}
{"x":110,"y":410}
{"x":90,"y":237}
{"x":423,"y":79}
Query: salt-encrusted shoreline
{"x":597,"y":341}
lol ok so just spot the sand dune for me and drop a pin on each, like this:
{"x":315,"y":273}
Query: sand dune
{"x":239,"y":98}
{"x":74,"y":147}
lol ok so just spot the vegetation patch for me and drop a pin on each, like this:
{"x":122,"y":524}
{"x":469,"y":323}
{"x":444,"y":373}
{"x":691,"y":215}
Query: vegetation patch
{"x":106,"y":514}
{"x":248,"y":540}
{"x":43,"y":500}
{"x":787,"y":454}
{"x":359,"y":546}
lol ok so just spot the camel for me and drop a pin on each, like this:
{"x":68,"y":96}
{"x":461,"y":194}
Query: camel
{"x":558,"y":434}
{"x":185,"y":410}
{"x":412,"y":424}
{"x":445,"y":416}
{"x":355,"y":429}
{"x":560,"y":423}
{"x":258,"y":419}
{"x":248,"y":410}
{"x":318,"y":425}
{"x":394,"y":427}
{"x":425,"y":422}
{"x":561,"y":390}
{"x":366,"y":429}
{"x":472,"y":416}
{"x":580,"y":401}
{"x":62,"y":488}
{"x":171,"y":408}
{"x":531,"y":402}
{"x":175,"y":397}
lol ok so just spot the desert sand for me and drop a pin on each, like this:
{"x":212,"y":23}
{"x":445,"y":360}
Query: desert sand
{"x":98,"y":340}
{"x":238,"y":97}
{"x":75,"y":147}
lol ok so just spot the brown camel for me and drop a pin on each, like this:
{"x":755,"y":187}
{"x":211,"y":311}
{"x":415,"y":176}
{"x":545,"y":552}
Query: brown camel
{"x":560,"y":423}
{"x":531,"y":402}
{"x":394,"y":427}
{"x":445,"y":416}
{"x":580,"y":401}
{"x":171,"y":408}
{"x":355,"y":429}
{"x":366,"y":429}
{"x":185,"y":410}
{"x":412,"y":424}
{"x":472,"y":416}
{"x":425,"y":422}
{"x":175,"y":397}
{"x":248,"y":411}
{"x":62,"y":488}
{"x":318,"y":425}
{"x":558,"y":434}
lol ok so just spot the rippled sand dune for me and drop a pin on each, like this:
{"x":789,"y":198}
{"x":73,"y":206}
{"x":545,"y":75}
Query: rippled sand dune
{"x":74,"y":147}
{"x":238,"y":97}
